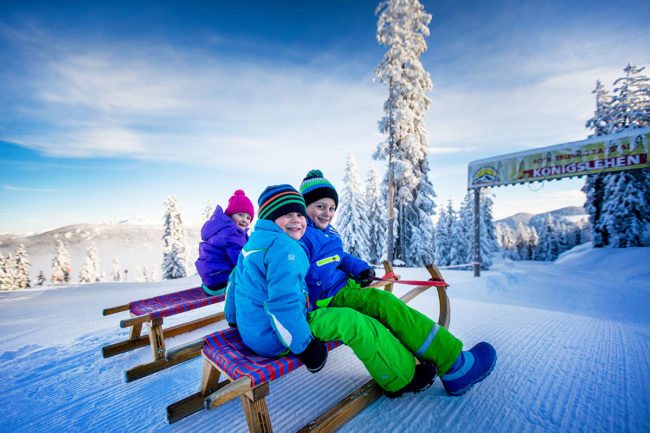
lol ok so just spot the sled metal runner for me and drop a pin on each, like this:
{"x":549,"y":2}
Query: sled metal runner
{"x":252,"y":394}
{"x":151,"y":313}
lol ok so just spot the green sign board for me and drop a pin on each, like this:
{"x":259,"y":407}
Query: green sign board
{"x":623,"y":151}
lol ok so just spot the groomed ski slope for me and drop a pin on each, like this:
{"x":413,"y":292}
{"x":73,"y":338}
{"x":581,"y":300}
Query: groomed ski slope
{"x":573,"y":340}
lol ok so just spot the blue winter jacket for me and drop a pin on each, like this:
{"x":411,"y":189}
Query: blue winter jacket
{"x":219,"y":251}
{"x":329,"y":265}
{"x":266,"y":295}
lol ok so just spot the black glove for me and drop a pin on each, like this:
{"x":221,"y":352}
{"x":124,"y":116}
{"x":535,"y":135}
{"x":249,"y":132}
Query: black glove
{"x":232,"y":325}
{"x":365,"y":278}
{"x":314,"y":356}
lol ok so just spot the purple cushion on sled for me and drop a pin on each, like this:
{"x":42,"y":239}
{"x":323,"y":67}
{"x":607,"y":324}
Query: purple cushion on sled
{"x":174,"y":303}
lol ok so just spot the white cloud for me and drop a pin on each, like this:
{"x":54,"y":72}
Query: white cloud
{"x":29,"y":189}
{"x":161,"y":103}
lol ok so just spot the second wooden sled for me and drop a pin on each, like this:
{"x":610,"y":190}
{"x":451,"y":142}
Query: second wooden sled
{"x":151,"y":313}
{"x":248,"y":376}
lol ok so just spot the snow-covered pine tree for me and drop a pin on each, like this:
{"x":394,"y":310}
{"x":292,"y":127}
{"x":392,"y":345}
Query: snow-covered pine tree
{"x":630,"y":106}
{"x":40,"y":278}
{"x":458,"y":237}
{"x":626,"y":197}
{"x":533,"y":243}
{"x":464,"y":236}
{"x":174,"y":253}
{"x":488,"y":239}
{"x":548,"y":243}
{"x":601,"y":122}
{"x":401,"y":27}
{"x":377,"y":224}
{"x":352,"y":221}
{"x":116,"y":275}
{"x":207,"y":211}
{"x":420,"y":233}
{"x":443,"y":236}
{"x":145,"y":274}
{"x":2,"y":271}
{"x":22,"y":267}
{"x":624,"y":210}
{"x":506,"y":240}
{"x":90,"y":269}
{"x":6,"y":276}
{"x":61,"y":264}
{"x":522,"y":242}
{"x":594,"y":187}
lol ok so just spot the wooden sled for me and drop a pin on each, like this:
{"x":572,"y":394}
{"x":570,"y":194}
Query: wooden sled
{"x":151,"y":313}
{"x":247,"y":375}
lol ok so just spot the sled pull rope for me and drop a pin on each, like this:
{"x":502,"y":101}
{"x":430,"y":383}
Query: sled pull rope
{"x":432,"y":282}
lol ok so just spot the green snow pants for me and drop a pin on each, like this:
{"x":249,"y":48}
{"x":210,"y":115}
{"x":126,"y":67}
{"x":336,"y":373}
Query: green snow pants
{"x":385,"y":334}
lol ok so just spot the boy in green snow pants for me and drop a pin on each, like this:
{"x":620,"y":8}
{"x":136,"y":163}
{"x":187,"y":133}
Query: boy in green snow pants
{"x":384,"y":333}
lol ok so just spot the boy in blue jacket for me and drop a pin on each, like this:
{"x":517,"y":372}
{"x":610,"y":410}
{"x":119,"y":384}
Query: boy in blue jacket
{"x":267,"y":298}
{"x":266,"y":295}
{"x":399,"y":332}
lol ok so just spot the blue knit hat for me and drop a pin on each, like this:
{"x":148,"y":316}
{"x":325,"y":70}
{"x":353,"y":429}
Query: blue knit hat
{"x":314,"y":187}
{"x":278,"y":200}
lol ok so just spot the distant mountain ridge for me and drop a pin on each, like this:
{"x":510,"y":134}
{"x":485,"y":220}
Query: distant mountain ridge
{"x":135,"y":246}
{"x":572,"y":214}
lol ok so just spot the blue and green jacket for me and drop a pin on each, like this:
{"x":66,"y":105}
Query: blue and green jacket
{"x":266,"y":294}
{"x":329,"y":264}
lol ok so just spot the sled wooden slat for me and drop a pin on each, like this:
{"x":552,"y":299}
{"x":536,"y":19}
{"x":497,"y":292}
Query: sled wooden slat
{"x":189,"y":405}
{"x":113,"y":310}
{"x":227,"y":393}
{"x":143,"y":340}
{"x":135,"y":321}
{"x":254,"y":399}
{"x":193,"y":349}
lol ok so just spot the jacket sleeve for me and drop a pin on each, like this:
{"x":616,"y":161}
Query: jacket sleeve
{"x":229,"y":308}
{"x":287,"y":299}
{"x":233,"y":247}
{"x":352,"y":265}
{"x":307,"y":245}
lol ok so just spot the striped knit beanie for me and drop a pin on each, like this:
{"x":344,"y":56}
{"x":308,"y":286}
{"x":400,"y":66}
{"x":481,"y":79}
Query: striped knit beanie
{"x":314,"y":187}
{"x":278,"y":200}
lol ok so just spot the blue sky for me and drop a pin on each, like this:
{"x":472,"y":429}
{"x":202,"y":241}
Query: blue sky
{"x":107,"y":108}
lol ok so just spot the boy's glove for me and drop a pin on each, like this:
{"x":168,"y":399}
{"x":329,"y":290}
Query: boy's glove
{"x":314,"y":356}
{"x":365,"y":278}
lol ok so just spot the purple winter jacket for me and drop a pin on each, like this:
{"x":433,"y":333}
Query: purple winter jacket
{"x":218,"y":253}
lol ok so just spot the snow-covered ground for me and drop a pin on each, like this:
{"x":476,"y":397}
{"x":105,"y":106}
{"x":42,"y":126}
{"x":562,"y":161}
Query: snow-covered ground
{"x":573,"y":340}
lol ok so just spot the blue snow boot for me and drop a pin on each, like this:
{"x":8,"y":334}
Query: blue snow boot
{"x":470,"y":368}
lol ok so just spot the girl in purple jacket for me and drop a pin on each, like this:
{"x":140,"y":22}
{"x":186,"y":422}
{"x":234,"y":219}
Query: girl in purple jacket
{"x":223,"y":237}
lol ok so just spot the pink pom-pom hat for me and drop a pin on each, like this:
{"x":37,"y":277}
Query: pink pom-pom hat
{"x":239,"y":203}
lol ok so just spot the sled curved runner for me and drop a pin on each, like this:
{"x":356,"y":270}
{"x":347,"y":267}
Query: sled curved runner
{"x":248,"y":375}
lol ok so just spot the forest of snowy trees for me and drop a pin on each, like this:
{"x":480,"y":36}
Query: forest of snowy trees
{"x":540,"y":239}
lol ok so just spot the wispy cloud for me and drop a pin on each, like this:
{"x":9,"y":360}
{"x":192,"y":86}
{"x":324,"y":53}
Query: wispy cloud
{"x":154,"y":102}
{"x":29,"y":189}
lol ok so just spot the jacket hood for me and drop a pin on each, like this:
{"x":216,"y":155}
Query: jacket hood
{"x":218,"y":222}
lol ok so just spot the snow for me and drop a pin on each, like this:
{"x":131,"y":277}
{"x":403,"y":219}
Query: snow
{"x":573,"y":340}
